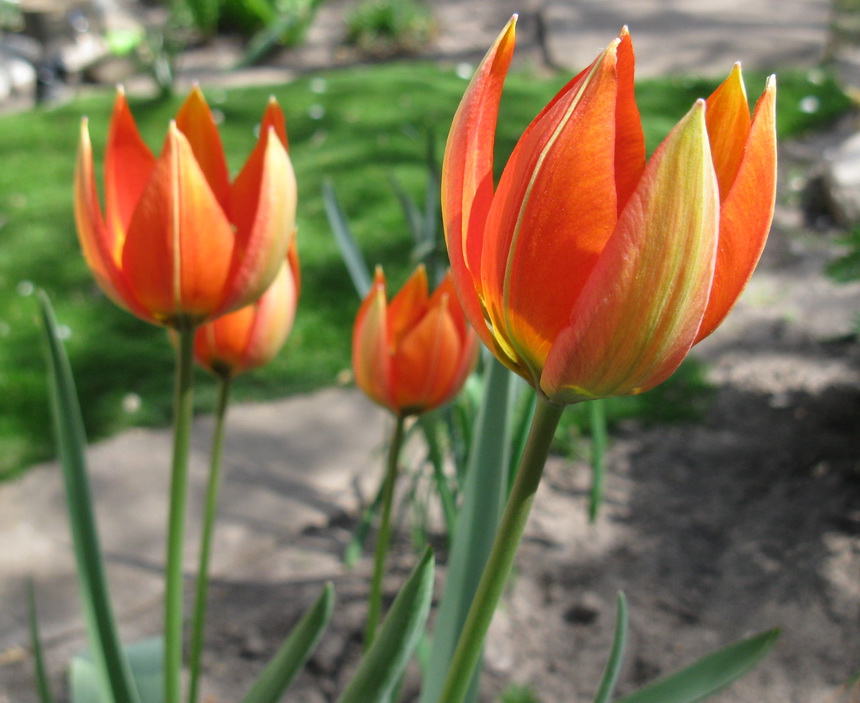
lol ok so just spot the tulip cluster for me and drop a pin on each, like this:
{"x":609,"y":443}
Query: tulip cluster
{"x":587,"y":270}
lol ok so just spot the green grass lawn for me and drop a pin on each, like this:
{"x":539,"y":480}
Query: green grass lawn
{"x":357,"y":127}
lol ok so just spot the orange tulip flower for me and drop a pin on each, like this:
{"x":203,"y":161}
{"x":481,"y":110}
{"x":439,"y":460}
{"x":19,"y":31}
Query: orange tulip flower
{"x":415,"y":353}
{"x":178,"y":244}
{"x":588,"y":271}
{"x":250,"y":337}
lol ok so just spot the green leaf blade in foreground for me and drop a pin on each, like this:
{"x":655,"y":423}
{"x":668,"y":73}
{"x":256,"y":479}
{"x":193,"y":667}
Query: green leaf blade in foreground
{"x":113,"y":668}
{"x":709,"y":674}
{"x":46,"y":694}
{"x":294,"y":652}
{"x":484,"y":496}
{"x":382,"y":667}
{"x":616,"y":655}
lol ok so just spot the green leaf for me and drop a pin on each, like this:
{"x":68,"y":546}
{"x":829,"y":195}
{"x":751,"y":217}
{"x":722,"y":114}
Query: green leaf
{"x":616,"y":654}
{"x":709,"y":674}
{"x":43,"y":685}
{"x":384,"y":663}
{"x":146,"y":663}
{"x":352,"y":257}
{"x":430,"y":425}
{"x":353,"y":550}
{"x":113,"y":668}
{"x":294,"y":652}
{"x":599,"y":438}
{"x":484,"y":495}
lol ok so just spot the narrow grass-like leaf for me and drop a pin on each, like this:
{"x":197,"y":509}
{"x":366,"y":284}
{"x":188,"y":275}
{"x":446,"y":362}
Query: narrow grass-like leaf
{"x":113,"y":668}
{"x":483,"y":498}
{"x":352,"y":257}
{"x":43,"y":685}
{"x":353,"y":550}
{"x":616,"y":654}
{"x":524,"y":402}
{"x":709,"y":674}
{"x":599,"y":438}
{"x":294,"y":652}
{"x":411,"y":211}
{"x":430,"y":425}
{"x":381,"y":668}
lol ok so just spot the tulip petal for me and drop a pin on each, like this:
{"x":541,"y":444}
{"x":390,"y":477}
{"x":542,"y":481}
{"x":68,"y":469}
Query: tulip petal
{"x":467,"y":175}
{"x":629,"y":138}
{"x":128,"y":166}
{"x":407,"y":307}
{"x":468,"y":338}
{"x":274,"y":117}
{"x":638,"y":315}
{"x":554,"y":209}
{"x":179,"y":247}
{"x":263,"y":198}
{"x":97,"y":241}
{"x":371,"y":359}
{"x":196,"y":122}
{"x":274,"y":313}
{"x":426,"y":363}
{"x":745,"y":214}
{"x":728,"y":120}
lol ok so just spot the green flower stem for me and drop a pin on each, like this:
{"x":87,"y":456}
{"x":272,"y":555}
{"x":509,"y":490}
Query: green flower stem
{"x":212,"y":490}
{"x":182,"y":416}
{"x":501,"y":558}
{"x":383,"y":537}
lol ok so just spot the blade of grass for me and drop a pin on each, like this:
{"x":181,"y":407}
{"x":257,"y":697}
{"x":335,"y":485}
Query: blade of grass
{"x":616,"y":654}
{"x":43,"y":685}
{"x":709,"y":674}
{"x":381,"y":668}
{"x":352,"y":257}
{"x":294,"y":652}
{"x":105,"y":644}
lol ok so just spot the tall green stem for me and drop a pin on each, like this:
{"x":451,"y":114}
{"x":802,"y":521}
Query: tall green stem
{"x":504,"y":550}
{"x":198,"y":625}
{"x":383,"y":537}
{"x":182,"y":416}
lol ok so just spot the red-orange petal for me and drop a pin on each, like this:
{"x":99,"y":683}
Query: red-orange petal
{"x":552,"y":213}
{"x":179,"y":246}
{"x":467,"y":175}
{"x":95,"y":237}
{"x":407,"y":307}
{"x":274,"y":117}
{"x":629,"y":138}
{"x":128,"y":166}
{"x":426,"y":362}
{"x":745,"y":214}
{"x":728,"y":120}
{"x":639,"y":313}
{"x":196,"y":122}
{"x":263,"y":201}
{"x":371,"y":361}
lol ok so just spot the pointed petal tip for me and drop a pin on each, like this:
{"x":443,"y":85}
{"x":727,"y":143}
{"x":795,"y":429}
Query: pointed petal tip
{"x":625,"y":31}
{"x":770,"y":83}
